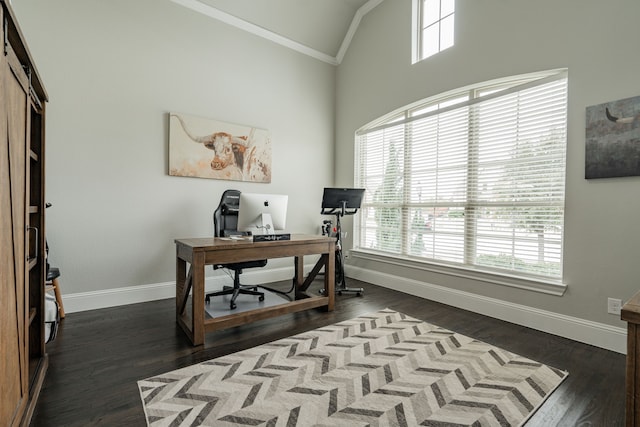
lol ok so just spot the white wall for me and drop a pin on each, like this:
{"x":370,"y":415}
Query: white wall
{"x":598,"y":42}
{"x":114,"y":70}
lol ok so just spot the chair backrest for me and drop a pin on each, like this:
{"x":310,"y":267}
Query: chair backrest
{"x":225,"y":223}
{"x":225,"y":217}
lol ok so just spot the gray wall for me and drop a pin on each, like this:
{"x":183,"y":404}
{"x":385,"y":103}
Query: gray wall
{"x":113,"y":70}
{"x":597,"y":41}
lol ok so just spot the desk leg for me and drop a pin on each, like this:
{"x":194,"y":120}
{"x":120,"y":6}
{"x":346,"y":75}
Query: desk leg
{"x":298,"y":275}
{"x":183,"y":286}
{"x":181,"y":283}
{"x":197,"y":298}
{"x":330,"y":279}
{"x":182,"y":293}
{"x":314,"y":272}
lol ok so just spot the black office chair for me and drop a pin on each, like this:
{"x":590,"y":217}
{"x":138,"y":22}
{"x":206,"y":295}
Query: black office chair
{"x":225,"y":224}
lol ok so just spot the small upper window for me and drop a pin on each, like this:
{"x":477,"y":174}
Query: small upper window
{"x":433,"y":27}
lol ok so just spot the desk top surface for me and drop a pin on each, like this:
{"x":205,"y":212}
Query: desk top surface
{"x":215,"y":243}
{"x":631,"y":310}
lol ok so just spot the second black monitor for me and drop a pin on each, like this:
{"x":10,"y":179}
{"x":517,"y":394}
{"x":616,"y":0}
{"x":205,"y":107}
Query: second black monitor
{"x":343,"y":201}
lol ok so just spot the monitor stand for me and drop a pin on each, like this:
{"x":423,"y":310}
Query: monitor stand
{"x":267,"y":224}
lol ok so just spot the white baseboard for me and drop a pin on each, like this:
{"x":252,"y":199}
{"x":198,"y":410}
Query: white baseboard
{"x":585,"y":331}
{"x":94,"y":300}
{"x":593,"y":333}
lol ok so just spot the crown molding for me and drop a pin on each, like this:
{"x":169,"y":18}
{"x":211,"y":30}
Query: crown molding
{"x":241,"y":24}
{"x":363,"y":10}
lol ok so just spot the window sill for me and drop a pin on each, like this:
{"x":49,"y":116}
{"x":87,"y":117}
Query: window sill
{"x":544,"y":286}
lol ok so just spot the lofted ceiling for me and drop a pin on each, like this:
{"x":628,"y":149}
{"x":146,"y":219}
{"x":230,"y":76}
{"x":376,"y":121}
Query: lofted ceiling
{"x":319,"y":28}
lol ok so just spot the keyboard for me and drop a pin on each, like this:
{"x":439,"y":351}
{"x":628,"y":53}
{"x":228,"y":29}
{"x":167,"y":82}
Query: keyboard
{"x":271,"y":237}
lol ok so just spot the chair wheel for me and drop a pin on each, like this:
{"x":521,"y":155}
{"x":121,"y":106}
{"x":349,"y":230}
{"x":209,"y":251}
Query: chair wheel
{"x":261,"y":298}
{"x":207,"y":299}
{"x":232,"y":305}
{"x":340,"y":293}
{"x":358,"y":294}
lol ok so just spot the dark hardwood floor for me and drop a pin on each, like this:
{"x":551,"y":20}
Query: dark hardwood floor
{"x":99,"y":356}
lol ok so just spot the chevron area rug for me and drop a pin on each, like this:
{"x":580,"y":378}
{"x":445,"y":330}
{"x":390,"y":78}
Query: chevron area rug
{"x":380,"y":369}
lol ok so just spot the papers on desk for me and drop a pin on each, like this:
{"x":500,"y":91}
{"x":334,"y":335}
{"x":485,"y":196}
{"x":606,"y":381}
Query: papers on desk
{"x":244,"y":238}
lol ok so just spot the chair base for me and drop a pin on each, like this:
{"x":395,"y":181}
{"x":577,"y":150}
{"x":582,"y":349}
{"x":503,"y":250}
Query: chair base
{"x":235,"y":291}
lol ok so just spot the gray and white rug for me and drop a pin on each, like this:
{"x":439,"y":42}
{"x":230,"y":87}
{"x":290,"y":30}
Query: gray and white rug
{"x":380,"y":369}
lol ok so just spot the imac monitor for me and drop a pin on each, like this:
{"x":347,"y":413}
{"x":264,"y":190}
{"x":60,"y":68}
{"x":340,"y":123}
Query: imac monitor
{"x":262,"y":213}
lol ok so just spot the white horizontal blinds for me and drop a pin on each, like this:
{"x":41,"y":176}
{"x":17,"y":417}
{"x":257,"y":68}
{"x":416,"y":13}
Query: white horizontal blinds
{"x":381,"y":158}
{"x":517,"y":200}
{"x":470,"y":180}
{"x":438,"y":176}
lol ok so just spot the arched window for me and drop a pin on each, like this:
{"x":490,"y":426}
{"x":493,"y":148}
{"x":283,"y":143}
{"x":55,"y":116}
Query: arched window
{"x":472,"y":178}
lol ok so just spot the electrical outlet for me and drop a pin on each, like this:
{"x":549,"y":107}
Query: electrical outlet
{"x":614,"y":306}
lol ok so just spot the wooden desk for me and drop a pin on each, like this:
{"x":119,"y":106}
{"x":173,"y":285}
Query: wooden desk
{"x":631,"y":314}
{"x":199,"y":252}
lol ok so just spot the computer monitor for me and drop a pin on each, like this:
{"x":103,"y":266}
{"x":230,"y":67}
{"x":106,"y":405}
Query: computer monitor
{"x":262,"y":213}
{"x":341,"y":201}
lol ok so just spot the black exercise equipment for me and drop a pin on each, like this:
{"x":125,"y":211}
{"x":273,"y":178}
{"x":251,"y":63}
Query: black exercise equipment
{"x":341,"y":202}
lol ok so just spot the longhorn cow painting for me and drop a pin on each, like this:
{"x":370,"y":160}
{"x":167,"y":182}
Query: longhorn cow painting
{"x":206,"y":148}
{"x":613,"y":139}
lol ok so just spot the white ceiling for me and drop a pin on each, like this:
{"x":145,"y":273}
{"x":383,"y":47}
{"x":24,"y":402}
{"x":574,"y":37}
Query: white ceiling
{"x":320,"y":28}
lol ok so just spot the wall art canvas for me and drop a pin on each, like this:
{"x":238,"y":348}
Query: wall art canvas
{"x":206,"y":148}
{"x":613,"y":139}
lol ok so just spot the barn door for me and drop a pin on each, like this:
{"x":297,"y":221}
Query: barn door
{"x":13,"y":187}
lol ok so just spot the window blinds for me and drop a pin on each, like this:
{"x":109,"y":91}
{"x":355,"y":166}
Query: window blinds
{"x":476,"y":179}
